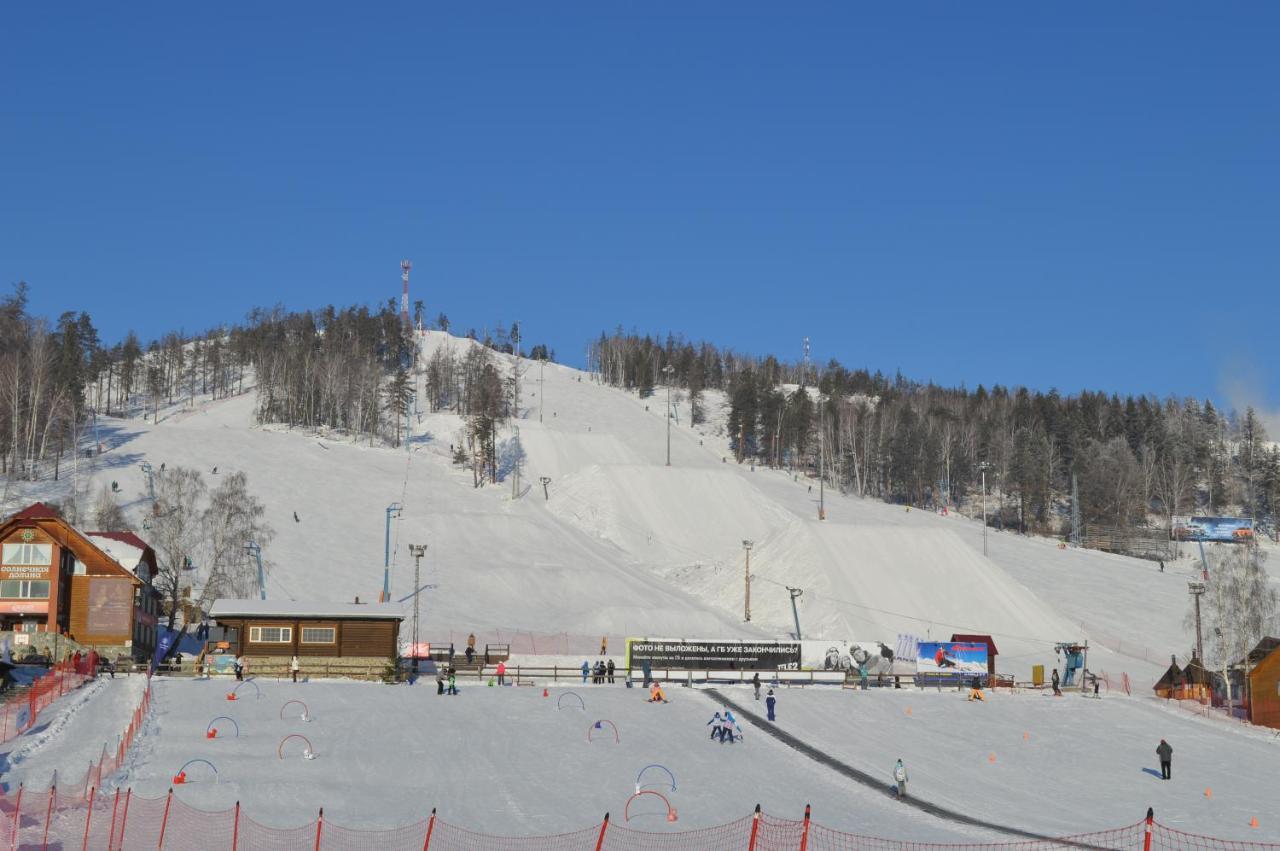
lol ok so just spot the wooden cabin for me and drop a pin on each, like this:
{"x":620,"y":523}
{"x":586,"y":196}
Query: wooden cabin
{"x":266,"y":629}
{"x":1264,"y":683}
{"x":93,"y":587}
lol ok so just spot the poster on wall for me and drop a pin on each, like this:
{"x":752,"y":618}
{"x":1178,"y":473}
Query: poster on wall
{"x":952,"y":657}
{"x":110,"y":607}
{"x":1221,"y":530}
{"x":874,"y":657}
{"x":717,"y":654}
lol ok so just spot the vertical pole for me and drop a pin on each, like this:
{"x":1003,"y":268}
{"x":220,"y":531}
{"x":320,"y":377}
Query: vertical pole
{"x":235,"y":828}
{"x":115,"y":808}
{"x":822,"y":456}
{"x":604,"y":825}
{"x":984,"y":511}
{"x":124,"y":817}
{"x":1146,"y":839}
{"x":48,"y":814}
{"x":755,"y":829}
{"x":668,"y":372}
{"x":4,"y":736}
{"x":804,"y":835}
{"x":1199,"y":640}
{"x":319,"y":828}
{"x":17,"y":820}
{"x":88,"y":814}
{"x":746,"y":599}
{"x":431,"y":826}
{"x":164,"y":820}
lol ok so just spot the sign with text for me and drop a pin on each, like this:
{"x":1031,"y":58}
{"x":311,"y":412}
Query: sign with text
{"x":718,"y":654}
{"x":952,"y":657}
{"x":1222,"y":530}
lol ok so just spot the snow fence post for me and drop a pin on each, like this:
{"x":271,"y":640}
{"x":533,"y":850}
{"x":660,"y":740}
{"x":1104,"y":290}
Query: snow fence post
{"x":604,"y":825}
{"x":48,"y":814}
{"x":319,"y":827}
{"x":88,"y":814}
{"x":1146,"y":840}
{"x":431,"y":825}
{"x":235,"y":828}
{"x":17,"y":819}
{"x":755,"y":829}
{"x":124,"y":817}
{"x":115,"y":806}
{"x":164,"y":820}
{"x":804,"y":835}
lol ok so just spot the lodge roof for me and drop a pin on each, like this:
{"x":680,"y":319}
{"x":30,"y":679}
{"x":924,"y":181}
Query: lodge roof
{"x":304,"y":609}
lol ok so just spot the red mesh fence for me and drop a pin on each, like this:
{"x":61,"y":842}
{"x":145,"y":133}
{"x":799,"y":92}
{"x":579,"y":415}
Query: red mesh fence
{"x":124,"y":822}
{"x":21,"y":710}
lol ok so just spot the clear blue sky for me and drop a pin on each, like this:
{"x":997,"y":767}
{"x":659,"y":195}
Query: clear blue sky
{"x":1086,"y":195}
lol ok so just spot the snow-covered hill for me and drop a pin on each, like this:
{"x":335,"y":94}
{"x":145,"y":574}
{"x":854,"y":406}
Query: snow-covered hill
{"x":626,"y":545}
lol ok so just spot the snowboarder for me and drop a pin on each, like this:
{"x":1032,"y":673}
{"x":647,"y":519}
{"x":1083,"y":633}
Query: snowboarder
{"x":716,"y":724}
{"x":900,"y":777}
{"x":656,"y":694}
{"x":1165,"y":751}
{"x":769,"y":703}
{"x":502,"y":673}
{"x":1056,"y":680}
{"x":586,"y":669}
{"x":293,"y":668}
{"x":755,"y":683}
{"x":610,"y":669}
{"x":975,"y":689}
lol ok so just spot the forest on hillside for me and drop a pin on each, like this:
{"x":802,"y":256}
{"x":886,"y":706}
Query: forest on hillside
{"x":1134,"y":461}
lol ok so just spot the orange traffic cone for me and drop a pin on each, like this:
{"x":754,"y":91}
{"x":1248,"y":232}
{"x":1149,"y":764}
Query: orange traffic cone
{"x":544,"y":693}
{"x":231,"y":696}
{"x":1026,"y":736}
{"x":212,"y":734}
{"x":181,"y":777}
{"x":1208,"y":793}
{"x":1253,"y":822}
{"x":991,"y":758}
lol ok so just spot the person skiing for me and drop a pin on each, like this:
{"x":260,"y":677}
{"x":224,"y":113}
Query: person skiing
{"x":770,"y":702}
{"x":293,"y":668}
{"x":717,"y":725}
{"x":900,"y":777}
{"x":755,"y":683}
{"x":730,"y":729}
{"x":453,"y":684}
{"x":295,"y":517}
{"x":586,"y":669}
{"x":502,"y":673}
{"x":1056,"y":680}
{"x":1165,"y":751}
{"x":238,"y":667}
{"x":439,"y":683}
{"x":610,"y":669}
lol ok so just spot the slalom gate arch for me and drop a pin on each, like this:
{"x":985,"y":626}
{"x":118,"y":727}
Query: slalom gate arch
{"x":181,"y":776}
{"x":581,"y":703}
{"x":211,"y":732}
{"x":655,"y":765}
{"x":234,"y":693}
{"x":308,"y":753}
{"x":626,"y":810}
{"x":599,"y":725}
{"x":306,"y":713}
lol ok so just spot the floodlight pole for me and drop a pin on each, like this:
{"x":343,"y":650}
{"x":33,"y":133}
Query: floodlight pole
{"x":984,"y":466}
{"x":393,"y":510}
{"x":546,"y":480}
{"x":668,"y":371}
{"x":1197,"y":589}
{"x":542,"y":388}
{"x":795,"y":592}
{"x":746,"y":599}
{"x":417,"y":551}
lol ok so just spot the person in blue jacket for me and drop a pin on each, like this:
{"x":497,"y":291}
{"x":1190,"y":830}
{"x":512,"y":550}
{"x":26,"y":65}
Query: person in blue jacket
{"x":769,"y":703}
{"x":586,"y":671}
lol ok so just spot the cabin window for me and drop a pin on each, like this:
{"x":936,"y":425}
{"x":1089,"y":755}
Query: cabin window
{"x":25,"y":589}
{"x":319,"y":635}
{"x":270,"y":634}
{"x":41,"y":554}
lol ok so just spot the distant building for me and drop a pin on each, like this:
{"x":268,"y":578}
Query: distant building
{"x":92,"y":587}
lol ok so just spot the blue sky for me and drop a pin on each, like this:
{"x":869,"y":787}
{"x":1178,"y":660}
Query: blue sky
{"x":1071,"y":196}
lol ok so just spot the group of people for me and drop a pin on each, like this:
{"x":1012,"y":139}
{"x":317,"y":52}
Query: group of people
{"x":725,"y":727}
{"x":600,"y":673}
{"x":447,"y":681}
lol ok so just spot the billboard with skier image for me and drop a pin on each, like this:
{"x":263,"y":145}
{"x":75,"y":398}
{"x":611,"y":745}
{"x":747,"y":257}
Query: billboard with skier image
{"x":1221,"y":530}
{"x":948,"y":658}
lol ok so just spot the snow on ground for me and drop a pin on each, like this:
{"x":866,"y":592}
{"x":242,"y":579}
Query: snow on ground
{"x":508,"y":761}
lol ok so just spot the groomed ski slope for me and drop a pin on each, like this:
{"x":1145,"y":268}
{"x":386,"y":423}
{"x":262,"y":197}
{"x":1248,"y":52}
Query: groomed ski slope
{"x":508,"y":761}
{"x":627,"y":545}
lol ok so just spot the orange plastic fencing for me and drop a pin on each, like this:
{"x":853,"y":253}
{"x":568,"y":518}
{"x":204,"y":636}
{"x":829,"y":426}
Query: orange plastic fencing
{"x":122,"y":821}
{"x":21,"y":710}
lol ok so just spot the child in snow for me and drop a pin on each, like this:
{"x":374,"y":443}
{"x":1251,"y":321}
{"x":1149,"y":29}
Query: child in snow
{"x":586,"y":669}
{"x":656,"y":694}
{"x":900,"y":776}
{"x":293,"y":668}
{"x":975,"y":690}
{"x":769,"y":703}
{"x":716,"y":723}
{"x":502,"y":673}
{"x":453,"y":684}
{"x":730,"y":729}
{"x":1055,"y":680}
{"x":439,"y":683}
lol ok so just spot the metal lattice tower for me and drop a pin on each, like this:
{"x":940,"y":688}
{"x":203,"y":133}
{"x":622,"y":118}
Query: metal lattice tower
{"x":1076,"y":531}
{"x":405,"y":265}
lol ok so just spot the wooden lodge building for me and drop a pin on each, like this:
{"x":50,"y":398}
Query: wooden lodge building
{"x":94,"y":588}
{"x":268,"y":633}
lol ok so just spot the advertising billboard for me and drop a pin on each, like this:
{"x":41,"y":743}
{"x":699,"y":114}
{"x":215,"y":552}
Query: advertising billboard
{"x":110,"y":607}
{"x":1222,"y":530}
{"x":874,"y":657}
{"x":951,"y":658}
{"x":715,"y":654}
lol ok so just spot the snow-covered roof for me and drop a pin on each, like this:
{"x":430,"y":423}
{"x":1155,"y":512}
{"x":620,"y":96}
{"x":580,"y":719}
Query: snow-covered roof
{"x":303,"y":609}
{"x":127,"y":554}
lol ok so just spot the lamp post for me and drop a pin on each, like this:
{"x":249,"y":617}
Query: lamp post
{"x":417,"y":551}
{"x":1197,"y":589}
{"x":546,"y":480}
{"x":983,"y":467}
{"x":668,"y":371}
{"x":393,"y":510}
{"x":542,"y":392}
{"x":746,"y":599}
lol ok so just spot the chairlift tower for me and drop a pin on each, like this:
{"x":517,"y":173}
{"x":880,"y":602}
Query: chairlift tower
{"x":417,"y":551}
{"x":405,"y":266}
{"x":393,"y":510}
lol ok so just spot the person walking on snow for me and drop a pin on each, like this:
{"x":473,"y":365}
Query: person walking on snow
{"x":900,"y":777}
{"x":586,"y":669}
{"x":755,"y":683}
{"x":610,"y":669}
{"x":769,"y":703}
{"x":502,"y":673}
{"x":293,"y":668}
{"x":1165,"y":751}
{"x":1055,"y":679}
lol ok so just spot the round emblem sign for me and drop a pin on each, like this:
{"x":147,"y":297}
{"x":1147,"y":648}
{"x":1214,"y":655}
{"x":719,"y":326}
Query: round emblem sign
{"x":28,"y":535}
